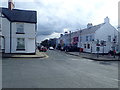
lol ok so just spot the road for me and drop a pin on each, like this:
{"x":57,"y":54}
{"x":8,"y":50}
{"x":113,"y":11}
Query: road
{"x":59,"y":70}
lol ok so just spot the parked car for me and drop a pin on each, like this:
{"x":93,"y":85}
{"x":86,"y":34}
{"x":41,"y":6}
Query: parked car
{"x":51,"y":48}
{"x":43,"y":49}
{"x":71,"y":49}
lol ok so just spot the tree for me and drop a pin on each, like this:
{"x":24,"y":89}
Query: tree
{"x":45,"y":43}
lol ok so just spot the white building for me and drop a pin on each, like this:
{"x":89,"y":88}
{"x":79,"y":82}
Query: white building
{"x":1,"y":36}
{"x":95,"y":39}
{"x":18,"y":30}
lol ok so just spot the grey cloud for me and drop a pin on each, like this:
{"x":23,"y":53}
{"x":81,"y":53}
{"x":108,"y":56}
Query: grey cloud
{"x":53,"y":17}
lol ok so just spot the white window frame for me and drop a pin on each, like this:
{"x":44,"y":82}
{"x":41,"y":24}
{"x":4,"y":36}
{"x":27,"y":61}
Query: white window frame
{"x":20,"y":44}
{"x":20,"y":28}
{"x":109,"y":38}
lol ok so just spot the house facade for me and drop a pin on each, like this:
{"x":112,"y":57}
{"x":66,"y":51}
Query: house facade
{"x":1,"y":36}
{"x":94,"y":39}
{"x":18,"y":30}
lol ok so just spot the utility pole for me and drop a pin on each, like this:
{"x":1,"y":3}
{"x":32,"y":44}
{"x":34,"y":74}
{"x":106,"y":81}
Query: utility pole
{"x":80,"y":37}
{"x":70,"y":38}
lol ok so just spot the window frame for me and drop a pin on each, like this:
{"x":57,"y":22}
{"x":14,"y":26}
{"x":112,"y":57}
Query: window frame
{"x":109,"y":38}
{"x":88,"y":46}
{"x":20,"y":28}
{"x":87,"y":38}
{"x":18,"y":47}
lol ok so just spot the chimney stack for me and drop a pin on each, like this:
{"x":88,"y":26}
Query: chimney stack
{"x":106,"y":20}
{"x":89,"y":25}
{"x":10,"y":4}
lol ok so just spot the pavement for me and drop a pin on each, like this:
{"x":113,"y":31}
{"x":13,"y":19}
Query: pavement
{"x":37,"y":55}
{"x":94,"y":56}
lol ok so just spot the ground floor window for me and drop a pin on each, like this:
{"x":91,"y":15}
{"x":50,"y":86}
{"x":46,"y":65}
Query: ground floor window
{"x":88,"y":46}
{"x":2,"y":42}
{"x":84,"y":45}
{"x":20,"y":44}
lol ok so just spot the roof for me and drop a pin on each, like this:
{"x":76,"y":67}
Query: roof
{"x":91,"y":29}
{"x":17,"y":15}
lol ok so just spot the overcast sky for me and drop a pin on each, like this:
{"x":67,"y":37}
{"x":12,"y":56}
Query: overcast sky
{"x":56,"y":16}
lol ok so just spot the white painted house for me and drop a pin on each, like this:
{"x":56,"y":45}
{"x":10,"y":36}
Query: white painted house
{"x":95,"y":39}
{"x":1,"y":36}
{"x":18,"y":30}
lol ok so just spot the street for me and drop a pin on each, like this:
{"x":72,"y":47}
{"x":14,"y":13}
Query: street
{"x":59,"y":70}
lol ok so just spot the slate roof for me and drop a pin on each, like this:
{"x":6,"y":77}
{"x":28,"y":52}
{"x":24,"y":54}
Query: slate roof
{"x":87,"y":30}
{"x":16,"y":15}
{"x":91,"y":30}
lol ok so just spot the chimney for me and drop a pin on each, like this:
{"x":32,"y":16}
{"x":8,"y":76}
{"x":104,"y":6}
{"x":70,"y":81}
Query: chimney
{"x":89,"y":25}
{"x":106,"y":20}
{"x":10,"y":4}
{"x":61,"y":35}
{"x":66,"y":33}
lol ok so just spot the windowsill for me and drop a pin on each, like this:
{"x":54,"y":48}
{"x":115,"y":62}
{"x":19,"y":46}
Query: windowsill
{"x":20,"y":33}
{"x":20,"y":49}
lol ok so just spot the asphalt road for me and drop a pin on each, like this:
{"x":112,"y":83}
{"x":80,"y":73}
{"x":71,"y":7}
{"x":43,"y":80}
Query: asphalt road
{"x":59,"y":70}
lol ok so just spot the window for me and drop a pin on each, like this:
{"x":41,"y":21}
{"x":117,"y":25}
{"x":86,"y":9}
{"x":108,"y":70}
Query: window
{"x":20,"y":44}
{"x":80,"y":39}
{"x":91,"y":38}
{"x":0,"y":27}
{"x":88,"y":46}
{"x":20,"y":28}
{"x":2,"y":42}
{"x":115,"y":39}
{"x":86,"y":38}
{"x":75,"y":39}
{"x":109,"y":38}
{"x":84,"y":45}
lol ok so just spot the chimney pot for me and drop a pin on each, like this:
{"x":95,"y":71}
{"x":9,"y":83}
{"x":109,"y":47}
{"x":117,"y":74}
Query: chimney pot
{"x":10,"y":4}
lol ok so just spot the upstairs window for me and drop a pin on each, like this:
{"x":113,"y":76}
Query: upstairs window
{"x":86,"y":38}
{"x":109,"y":38}
{"x":91,"y":38}
{"x":20,"y":28}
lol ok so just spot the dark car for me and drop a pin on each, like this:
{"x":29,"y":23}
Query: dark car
{"x":71,"y":49}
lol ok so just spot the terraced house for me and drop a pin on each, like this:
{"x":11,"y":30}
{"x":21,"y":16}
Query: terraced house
{"x":18,"y":30}
{"x":94,"y":39}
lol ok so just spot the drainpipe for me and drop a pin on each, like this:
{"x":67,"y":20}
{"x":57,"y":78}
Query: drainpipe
{"x":10,"y":37}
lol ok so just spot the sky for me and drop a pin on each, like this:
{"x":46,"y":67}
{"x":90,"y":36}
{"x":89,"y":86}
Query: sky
{"x":57,"y":16}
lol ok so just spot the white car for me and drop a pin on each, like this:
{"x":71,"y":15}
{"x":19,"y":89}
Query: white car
{"x":51,"y":48}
